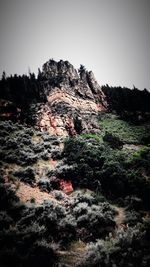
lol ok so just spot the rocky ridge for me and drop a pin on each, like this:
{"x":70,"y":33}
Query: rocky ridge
{"x":73,"y":100}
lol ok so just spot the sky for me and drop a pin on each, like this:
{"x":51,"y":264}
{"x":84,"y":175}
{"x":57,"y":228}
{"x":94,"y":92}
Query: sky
{"x":109,"y":37}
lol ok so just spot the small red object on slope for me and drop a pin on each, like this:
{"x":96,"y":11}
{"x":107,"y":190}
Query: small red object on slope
{"x":66,"y":186}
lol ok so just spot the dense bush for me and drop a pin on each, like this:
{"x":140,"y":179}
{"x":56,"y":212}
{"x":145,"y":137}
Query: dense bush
{"x":44,"y":185}
{"x":5,"y":220}
{"x":59,"y":195}
{"x":18,"y":146}
{"x":49,"y":138}
{"x":18,"y":154}
{"x":45,"y":155}
{"x":2,"y":141}
{"x":7,"y":127}
{"x":112,"y":140}
{"x":26,"y":248}
{"x":32,"y":239}
{"x":145,"y":140}
{"x":56,"y":154}
{"x":7,"y":197}
{"x":42,"y":254}
{"x":146,"y":227}
{"x":113,"y":179}
{"x":86,"y":159}
{"x":96,"y":219}
{"x":47,"y":145}
{"x":38,"y":148}
{"x":26,"y":175}
{"x":97,"y":166}
{"x":66,"y":171}
{"x":125,"y":250}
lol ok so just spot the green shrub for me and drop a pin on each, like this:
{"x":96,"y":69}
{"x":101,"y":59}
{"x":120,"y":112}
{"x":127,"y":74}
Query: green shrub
{"x":44,"y":185}
{"x":5,"y":220}
{"x":96,"y":218}
{"x":26,"y":175}
{"x":91,"y":136}
{"x":42,"y":254}
{"x":127,"y":132}
{"x":7,"y":197}
{"x":113,"y":141}
{"x":56,"y":154}
{"x":146,"y":227}
{"x":126,"y":249}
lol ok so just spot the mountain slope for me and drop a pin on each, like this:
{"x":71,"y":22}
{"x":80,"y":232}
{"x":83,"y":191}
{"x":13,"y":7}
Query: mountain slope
{"x":78,"y":201}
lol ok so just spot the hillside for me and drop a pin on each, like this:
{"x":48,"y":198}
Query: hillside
{"x":75,"y":172}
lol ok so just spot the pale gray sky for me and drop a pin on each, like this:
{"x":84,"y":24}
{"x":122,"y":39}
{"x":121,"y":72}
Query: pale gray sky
{"x":110,"y":37}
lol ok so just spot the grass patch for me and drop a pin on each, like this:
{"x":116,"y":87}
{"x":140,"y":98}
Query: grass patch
{"x":92,"y":136}
{"x":127,"y":132}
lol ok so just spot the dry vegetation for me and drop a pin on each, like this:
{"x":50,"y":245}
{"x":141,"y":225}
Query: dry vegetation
{"x":107,"y":214}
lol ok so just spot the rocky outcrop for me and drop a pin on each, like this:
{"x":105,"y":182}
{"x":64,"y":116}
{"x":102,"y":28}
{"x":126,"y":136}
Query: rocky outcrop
{"x":74,"y":100}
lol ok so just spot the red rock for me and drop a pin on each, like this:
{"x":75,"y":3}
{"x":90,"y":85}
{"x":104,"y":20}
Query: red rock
{"x":66,"y":186}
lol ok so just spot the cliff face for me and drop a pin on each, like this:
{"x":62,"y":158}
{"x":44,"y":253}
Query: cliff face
{"x":73,"y":100}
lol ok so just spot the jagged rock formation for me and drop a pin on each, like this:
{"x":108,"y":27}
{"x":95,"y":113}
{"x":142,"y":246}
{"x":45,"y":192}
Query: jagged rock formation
{"x":61,"y":100}
{"x":73,"y":100}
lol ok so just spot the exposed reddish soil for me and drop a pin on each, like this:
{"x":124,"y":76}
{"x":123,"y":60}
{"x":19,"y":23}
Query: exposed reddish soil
{"x":27,"y":193}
